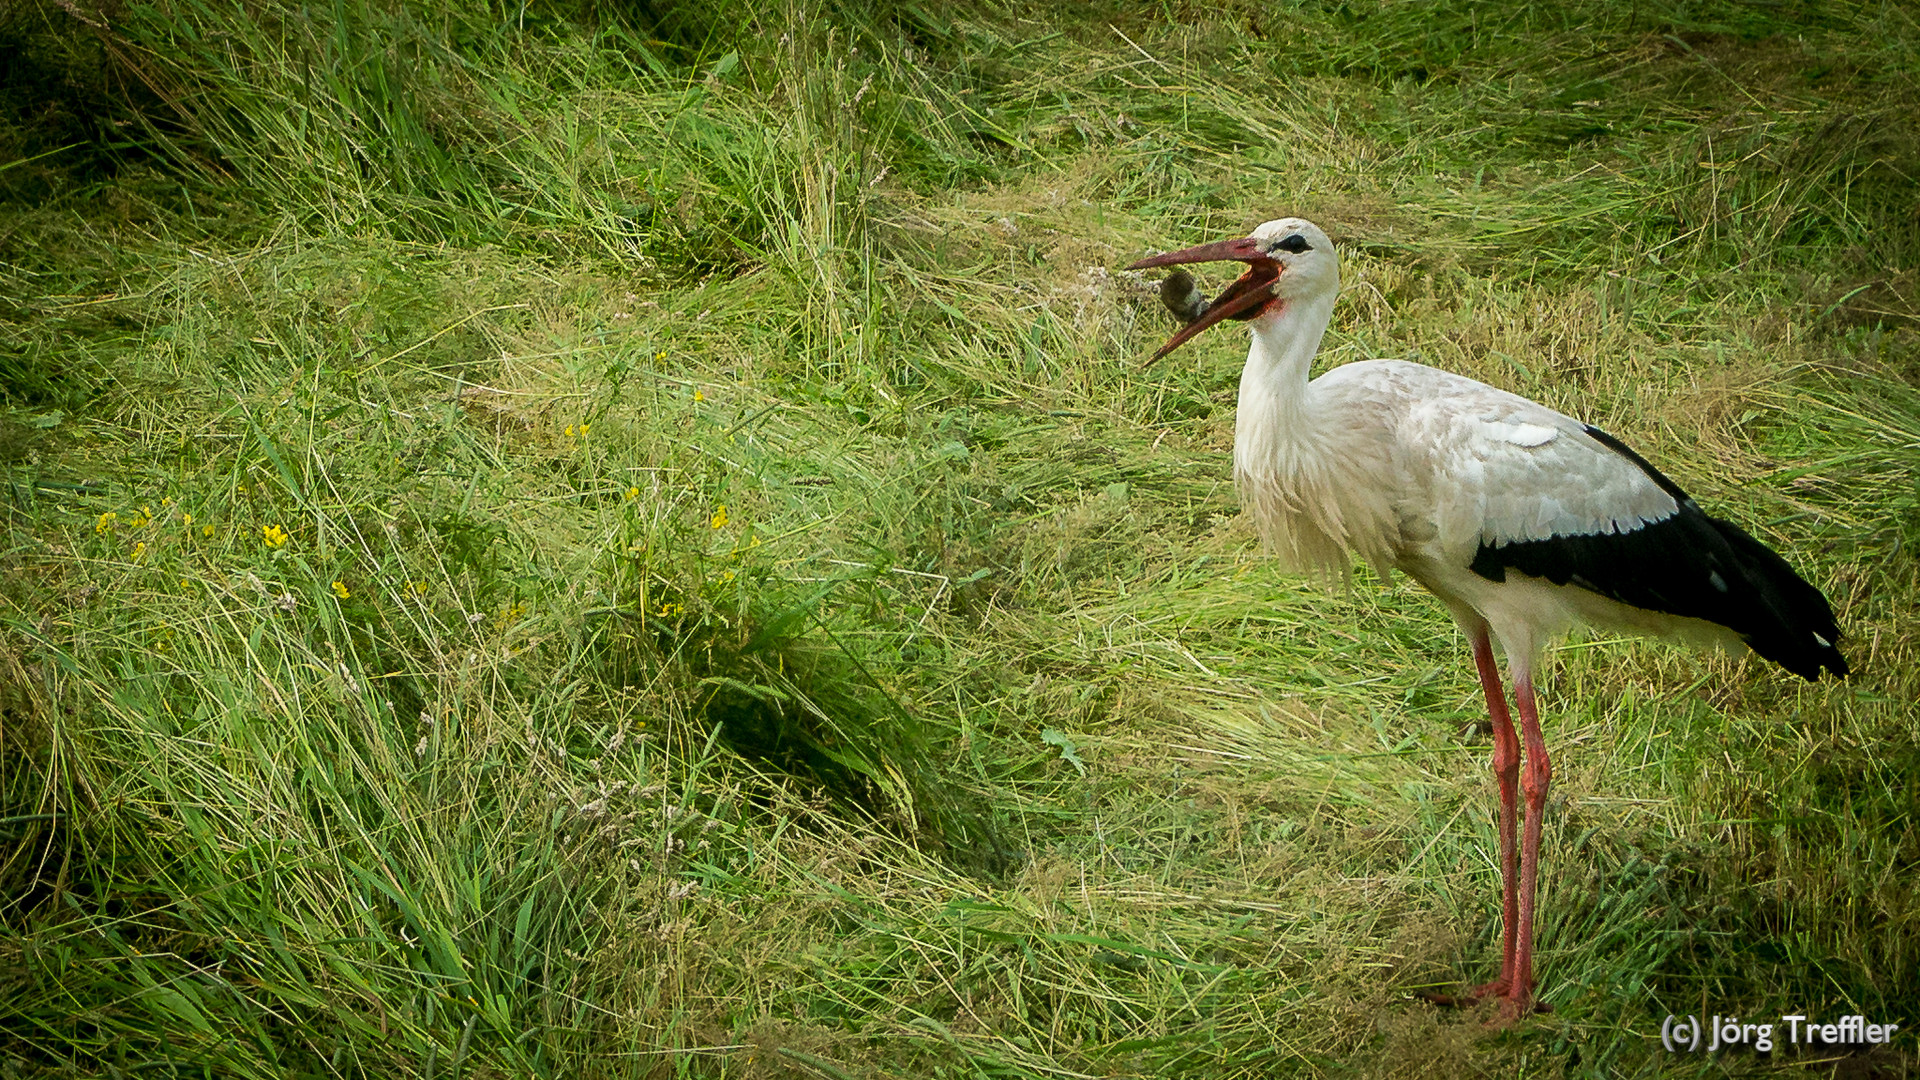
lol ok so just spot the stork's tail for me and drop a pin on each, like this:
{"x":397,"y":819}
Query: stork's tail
{"x":1796,"y":629}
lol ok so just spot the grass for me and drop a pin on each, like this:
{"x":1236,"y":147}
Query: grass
{"x":605,"y":545}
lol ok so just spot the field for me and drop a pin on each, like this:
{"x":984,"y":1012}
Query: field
{"x":590,"y":540}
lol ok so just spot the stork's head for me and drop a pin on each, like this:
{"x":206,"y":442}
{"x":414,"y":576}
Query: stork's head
{"x":1289,"y":261}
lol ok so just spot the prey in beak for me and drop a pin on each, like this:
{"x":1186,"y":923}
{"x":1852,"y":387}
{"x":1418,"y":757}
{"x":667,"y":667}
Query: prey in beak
{"x":1243,"y":299}
{"x":1180,"y":294}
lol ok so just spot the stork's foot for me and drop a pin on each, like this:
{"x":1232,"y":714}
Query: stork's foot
{"x":1512,"y":1006}
{"x":1515,"y":1006}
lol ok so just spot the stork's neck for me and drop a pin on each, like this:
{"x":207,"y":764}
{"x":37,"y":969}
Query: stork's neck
{"x":1273,"y":386}
{"x":1305,"y":485}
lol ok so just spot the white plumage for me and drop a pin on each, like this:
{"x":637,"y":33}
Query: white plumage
{"x":1522,"y":520}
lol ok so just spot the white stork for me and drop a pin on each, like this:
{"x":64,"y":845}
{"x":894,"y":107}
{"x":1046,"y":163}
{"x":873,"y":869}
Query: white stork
{"x":1523,"y":521}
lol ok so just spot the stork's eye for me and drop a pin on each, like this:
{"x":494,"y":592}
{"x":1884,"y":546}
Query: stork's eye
{"x":1294,"y":243}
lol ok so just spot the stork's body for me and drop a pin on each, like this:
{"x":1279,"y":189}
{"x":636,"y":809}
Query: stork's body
{"x":1522,"y":520}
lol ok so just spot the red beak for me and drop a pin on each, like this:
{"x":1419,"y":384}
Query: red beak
{"x":1246,"y":294}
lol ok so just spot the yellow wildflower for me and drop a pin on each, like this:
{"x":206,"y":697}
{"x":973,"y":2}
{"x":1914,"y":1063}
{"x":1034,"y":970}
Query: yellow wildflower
{"x":273,"y":536}
{"x":206,"y":530}
{"x":569,"y":431}
{"x":105,"y":524}
{"x":720,"y":517}
{"x":186,"y":519}
{"x":697,"y":395}
{"x":139,"y":550}
{"x":340,"y":590}
{"x":633,"y":492}
{"x":584,"y":428}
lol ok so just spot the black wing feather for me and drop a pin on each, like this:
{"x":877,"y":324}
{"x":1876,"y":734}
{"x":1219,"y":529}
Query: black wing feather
{"x":1691,"y":565}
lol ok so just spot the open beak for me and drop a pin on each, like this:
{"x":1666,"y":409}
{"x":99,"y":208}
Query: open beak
{"x":1244,"y":296}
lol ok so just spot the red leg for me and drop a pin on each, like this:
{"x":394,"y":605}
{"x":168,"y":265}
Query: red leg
{"x":1506,"y":769}
{"x":1539,"y":774}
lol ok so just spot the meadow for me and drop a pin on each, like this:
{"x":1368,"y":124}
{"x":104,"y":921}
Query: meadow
{"x":594,"y":540}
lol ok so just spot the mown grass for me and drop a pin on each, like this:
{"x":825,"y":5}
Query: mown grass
{"x":616,"y":546}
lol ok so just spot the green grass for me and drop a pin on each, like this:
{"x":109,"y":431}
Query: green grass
{"x":607,"y":546}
